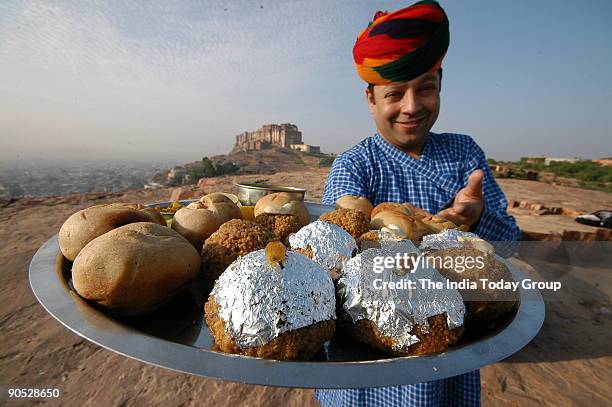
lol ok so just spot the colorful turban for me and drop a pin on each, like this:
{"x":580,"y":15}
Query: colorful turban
{"x":402,"y":45}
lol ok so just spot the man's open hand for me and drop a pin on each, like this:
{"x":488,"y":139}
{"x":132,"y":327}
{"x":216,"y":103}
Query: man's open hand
{"x":468,"y":204}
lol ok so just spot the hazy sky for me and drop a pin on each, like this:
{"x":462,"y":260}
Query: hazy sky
{"x":174,"y":81}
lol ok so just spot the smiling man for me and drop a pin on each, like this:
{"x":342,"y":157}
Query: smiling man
{"x":400,"y":56}
{"x":404,"y":112}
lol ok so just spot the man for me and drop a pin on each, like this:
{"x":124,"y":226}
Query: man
{"x":400,"y":56}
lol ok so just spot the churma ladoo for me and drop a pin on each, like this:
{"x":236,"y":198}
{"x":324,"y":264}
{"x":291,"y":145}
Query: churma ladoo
{"x":282,"y":225}
{"x":383,"y":239}
{"x":326,"y":244}
{"x":360,"y":203}
{"x":455,"y":238}
{"x":485,"y":307}
{"x":351,"y":220}
{"x":393,"y":317}
{"x":233,"y":239}
{"x":273,"y":304}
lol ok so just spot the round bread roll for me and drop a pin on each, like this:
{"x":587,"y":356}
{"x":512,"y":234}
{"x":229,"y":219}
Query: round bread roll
{"x":87,"y":224}
{"x":391,"y":206}
{"x":200,"y":219}
{"x":355,"y":202}
{"x":222,"y":204}
{"x":417,"y":212}
{"x":134,"y":269}
{"x":437,"y":224}
{"x":401,"y":225}
{"x":405,"y":208}
{"x":196,"y":223}
{"x":283,"y":203}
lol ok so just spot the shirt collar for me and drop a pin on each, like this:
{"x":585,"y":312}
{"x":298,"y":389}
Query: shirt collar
{"x":423,"y":166}
{"x":402,"y":156}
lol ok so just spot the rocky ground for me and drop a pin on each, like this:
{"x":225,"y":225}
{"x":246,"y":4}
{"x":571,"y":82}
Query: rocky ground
{"x":568,"y":363}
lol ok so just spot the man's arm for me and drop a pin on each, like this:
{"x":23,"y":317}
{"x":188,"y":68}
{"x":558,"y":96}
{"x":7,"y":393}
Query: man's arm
{"x":346,"y":177}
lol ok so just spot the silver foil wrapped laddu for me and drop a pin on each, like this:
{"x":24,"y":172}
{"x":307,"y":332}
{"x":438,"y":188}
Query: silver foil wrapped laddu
{"x":259,"y":300}
{"x":453,"y":238}
{"x":396,"y":311}
{"x":331,"y":246}
{"x":384,"y":239}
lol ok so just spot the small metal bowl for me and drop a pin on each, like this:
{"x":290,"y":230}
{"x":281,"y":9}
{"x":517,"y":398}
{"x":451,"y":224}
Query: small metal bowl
{"x":249,"y":194}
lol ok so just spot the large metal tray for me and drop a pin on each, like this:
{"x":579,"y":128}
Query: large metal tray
{"x":176,"y":337}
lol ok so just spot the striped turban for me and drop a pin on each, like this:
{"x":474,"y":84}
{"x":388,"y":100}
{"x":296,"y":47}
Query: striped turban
{"x":403,"y":45}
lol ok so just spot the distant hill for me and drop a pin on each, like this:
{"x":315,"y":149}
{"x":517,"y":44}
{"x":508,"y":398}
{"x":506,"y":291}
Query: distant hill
{"x":266,"y":161}
{"x":272,"y":160}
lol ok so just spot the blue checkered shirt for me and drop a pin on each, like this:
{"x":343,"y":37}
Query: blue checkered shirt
{"x":382,"y":173}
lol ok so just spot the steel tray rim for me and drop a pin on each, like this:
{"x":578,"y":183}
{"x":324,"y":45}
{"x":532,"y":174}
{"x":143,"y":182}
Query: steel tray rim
{"x":74,"y":313}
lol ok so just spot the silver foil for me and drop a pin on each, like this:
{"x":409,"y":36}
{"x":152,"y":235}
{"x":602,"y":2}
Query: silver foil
{"x":387,"y":240}
{"x":446,"y":239}
{"x":331,"y":245}
{"x":396,"y":311}
{"x":259,"y":301}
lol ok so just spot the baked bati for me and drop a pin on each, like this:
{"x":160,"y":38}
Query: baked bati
{"x":87,"y":224}
{"x":135,"y":268}
{"x":200,"y":219}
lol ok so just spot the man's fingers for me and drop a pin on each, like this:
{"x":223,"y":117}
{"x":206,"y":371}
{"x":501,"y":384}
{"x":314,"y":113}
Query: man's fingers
{"x":446,"y":212}
{"x":450,"y":214}
{"x":459,"y":208}
{"x":474,"y":185}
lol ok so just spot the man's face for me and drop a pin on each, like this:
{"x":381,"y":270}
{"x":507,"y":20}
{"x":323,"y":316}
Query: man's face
{"x":404,"y":112}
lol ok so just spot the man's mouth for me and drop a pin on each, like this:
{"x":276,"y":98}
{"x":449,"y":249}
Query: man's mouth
{"x":410,"y":123}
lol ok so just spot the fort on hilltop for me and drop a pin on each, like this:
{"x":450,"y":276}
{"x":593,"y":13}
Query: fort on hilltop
{"x":284,"y":135}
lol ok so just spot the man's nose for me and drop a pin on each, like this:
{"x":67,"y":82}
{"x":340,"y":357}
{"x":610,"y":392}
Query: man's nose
{"x":410,"y":103}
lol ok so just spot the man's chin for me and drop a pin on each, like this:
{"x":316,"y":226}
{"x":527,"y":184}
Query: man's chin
{"x":409,"y":141}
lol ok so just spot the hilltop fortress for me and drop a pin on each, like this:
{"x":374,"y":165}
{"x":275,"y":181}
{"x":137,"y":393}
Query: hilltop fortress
{"x":284,"y":135}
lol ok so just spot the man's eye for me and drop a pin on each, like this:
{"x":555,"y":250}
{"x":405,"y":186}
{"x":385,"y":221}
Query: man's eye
{"x":393,"y":95}
{"x":429,"y":88}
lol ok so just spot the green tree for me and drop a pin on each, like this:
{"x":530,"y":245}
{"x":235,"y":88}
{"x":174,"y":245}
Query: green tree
{"x":208,"y":168}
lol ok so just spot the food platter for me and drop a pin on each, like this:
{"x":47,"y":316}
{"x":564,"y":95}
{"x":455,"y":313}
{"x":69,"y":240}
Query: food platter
{"x":176,"y":337}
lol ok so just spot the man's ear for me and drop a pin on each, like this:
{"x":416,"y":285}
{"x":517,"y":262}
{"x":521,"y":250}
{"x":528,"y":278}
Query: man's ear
{"x":369,"y":94}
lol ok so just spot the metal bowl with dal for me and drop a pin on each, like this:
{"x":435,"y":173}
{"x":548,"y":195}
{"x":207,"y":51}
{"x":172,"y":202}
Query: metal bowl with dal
{"x":249,"y":194}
